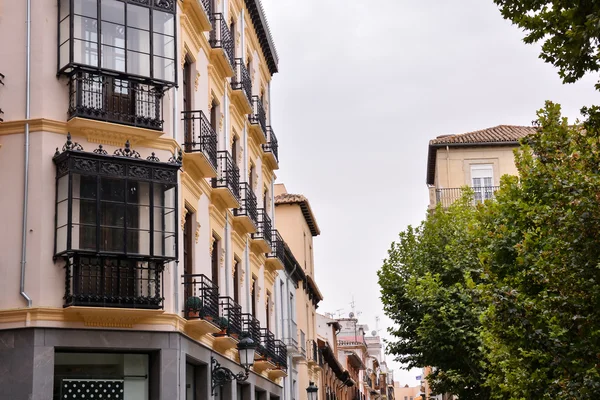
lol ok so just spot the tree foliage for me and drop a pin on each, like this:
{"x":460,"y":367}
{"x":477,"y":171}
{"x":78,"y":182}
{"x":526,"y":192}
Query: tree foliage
{"x":504,"y":298}
{"x":568,"y":29}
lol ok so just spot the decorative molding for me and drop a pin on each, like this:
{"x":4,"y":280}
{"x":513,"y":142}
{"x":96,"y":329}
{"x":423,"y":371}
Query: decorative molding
{"x":197,"y":81}
{"x":35,"y":125}
{"x":240,"y":153}
{"x":211,"y":100}
{"x":197,"y":234}
{"x":108,"y":133}
{"x":233,"y":272}
{"x":183,"y":215}
{"x":221,"y":122}
{"x":211,"y":245}
{"x":222,"y":258}
{"x":242,"y":275}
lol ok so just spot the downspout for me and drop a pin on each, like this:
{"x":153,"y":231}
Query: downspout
{"x":176,"y":267}
{"x":26,"y":174}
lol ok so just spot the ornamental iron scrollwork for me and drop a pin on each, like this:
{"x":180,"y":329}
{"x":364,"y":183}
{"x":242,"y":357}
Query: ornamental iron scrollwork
{"x":100,"y":150}
{"x":85,"y":165}
{"x":178,"y":159}
{"x":139,"y":172}
{"x":167,"y":5}
{"x":153,"y":157}
{"x":109,"y":168}
{"x":222,"y":375}
{"x":71,"y":145}
{"x":165,"y":175}
{"x":127,"y":151}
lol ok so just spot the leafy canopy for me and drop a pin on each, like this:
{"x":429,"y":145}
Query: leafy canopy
{"x":568,"y":29}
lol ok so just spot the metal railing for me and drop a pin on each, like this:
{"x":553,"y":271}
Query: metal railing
{"x":207,"y":5}
{"x":241,"y":80}
{"x":291,"y":339}
{"x":447,"y":196}
{"x":201,"y":298}
{"x":115,"y":99}
{"x":199,"y":135}
{"x":220,"y":37}
{"x":277,"y":246}
{"x":230,"y":316}
{"x":313,"y":351}
{"x":266,"y":347}
{"x":251,"y":326}
{"x":258,"y":115}
{"x":248,"y":206}
{"x":302,"y":343}
{"x":264,"y":228}
{"x":280,"y":354}
{"x":113,"y":282}
{"x":228,"y":174}
{"x":271,"y":146}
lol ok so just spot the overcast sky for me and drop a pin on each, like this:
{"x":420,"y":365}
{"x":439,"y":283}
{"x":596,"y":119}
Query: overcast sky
{"x":363,"y":86}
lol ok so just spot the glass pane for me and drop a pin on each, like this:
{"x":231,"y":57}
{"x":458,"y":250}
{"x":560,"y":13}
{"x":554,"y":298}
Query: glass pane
{"x":138,"y":193}
{"x":163,"y":23}
{"x":113,"y":58}
{"x":138,"y":40}
{"x":64,"y":30}
{"x":113,"y":34}
{"x":88,"y":187}
{"x":113,"y":11}
{"x":138,"y":17}
{"x":168,"y":195}
{"x":62,"y":190}
{"x":84,"y":211}
{"x":138,"y":63}
{"x":85,"y":52}
{"x":64,"y":55}
{"x":61,"y":239}
{"x":83,"y":237}
{"x":112,"y":214}
{"x":112,"y":239}
{"x":164,"y":69}
{"x":62,"y":215}
{"x":86,"y":7}
{"x":85,"y":28}
{"x":164,"y":244}
{"x":138,"y":242}
{"x":164,"y":46}
{"x":112,"y":189}
{"x":63,"y":9}
{"x":138,"y":217}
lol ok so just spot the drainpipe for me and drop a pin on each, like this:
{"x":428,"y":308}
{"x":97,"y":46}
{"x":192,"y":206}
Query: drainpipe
{"x":26,"y":174}
{"x":447,"y":166}
{"x":176,"y":266}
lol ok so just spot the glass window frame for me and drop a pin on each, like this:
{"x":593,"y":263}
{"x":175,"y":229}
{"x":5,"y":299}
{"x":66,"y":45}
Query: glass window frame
{"x":162,"y":184}
{"x":68,"y":61}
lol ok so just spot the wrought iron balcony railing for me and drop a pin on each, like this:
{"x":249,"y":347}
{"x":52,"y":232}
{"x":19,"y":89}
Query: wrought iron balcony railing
{"x":267,"y":345}
{"x":302,"y":343}
{"x":115,"y":99}
{"x":241,"y":80}
{"x":258,"y":116}
{"x":221,"y":38}
{"x":271,"y":146}
{"x":291,"y":337}
{"x":201,"y":298}
{"x":251,"y":327}
{"x":313,"y":351}
{"x":113,"y":282}
{"x":228,"y":174}
{"x":264,"y":229}
{"x":447,"y":196}
{"x":248,"y":204}
{"x":199,"y":135}
{"x":280,"y":354}
{"x":230,"y":316}
{"x":207,"y":5}
{"x":277,"y":246}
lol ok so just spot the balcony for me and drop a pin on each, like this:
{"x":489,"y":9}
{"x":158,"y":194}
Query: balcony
{"x":258,"y":121}
{"x":229,"y":323}
{"x":251,"y":327}
{"x":247,"y":214}
{"x":262,"y":238}
{"x":222,"y":44}
{"x":275,"y":259}
{"x":119,"y":103}
{"x":302,"y":344}
{"x":291,"y":339}
{"x":200,"y":143}
{"x":314,"y":354}
{"x":226,"y":185}
{"x":242,"y":86}
{"x":280,"y":360}
{"x":271,"y":149}
{"x":201,"y":307}
{"x":447,"y":196}
{"x":113,"y":282}
{"x":199,"y":11}
{"x":266,"y":348}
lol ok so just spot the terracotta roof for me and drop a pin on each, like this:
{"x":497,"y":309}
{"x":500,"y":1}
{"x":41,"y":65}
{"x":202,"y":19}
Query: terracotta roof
{"x":497,"y":134}
{"x":501,"y":135}
{"x":288,"y":198}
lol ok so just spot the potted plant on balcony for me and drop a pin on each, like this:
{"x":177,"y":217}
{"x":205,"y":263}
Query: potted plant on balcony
{"x":223,"y":323}
{"x":193,"y":307}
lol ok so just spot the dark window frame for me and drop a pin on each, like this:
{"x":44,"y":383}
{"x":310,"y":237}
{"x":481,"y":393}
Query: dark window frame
{"x":70,"y":65}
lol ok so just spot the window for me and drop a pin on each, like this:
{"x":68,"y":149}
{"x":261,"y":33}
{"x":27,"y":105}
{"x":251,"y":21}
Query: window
{"x":214,"y":259}
{"x":482,"y":179}
{"x":254,"y":283}
{"x":267,"y":313}
{"x":118,"y":35}
{"x":236,"y":280}
{"x":110,"y":206}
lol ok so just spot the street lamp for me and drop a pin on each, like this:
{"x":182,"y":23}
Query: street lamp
{"x":221,"y":375}
{"x":311,"y":391}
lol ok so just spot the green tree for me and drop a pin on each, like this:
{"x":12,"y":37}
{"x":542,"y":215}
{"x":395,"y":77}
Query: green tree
{"x":568,"y":29}
{"x":541,"y":329}
{"x":428,"y":289}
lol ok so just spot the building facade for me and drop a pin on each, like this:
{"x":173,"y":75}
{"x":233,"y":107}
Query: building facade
{"x":140,"y":247}
{"x":476,"y":159}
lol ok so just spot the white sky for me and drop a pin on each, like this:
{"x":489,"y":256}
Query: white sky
{"x":363,"y":86}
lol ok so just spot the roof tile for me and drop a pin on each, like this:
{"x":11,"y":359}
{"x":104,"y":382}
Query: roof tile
{"x":497,"y":134}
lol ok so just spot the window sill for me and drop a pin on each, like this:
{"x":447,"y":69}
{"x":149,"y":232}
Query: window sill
{"x":109,"y":133}
{"x":112,"y":317}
